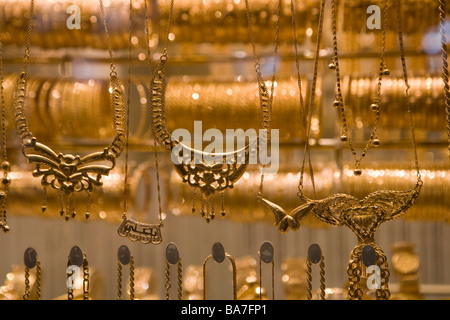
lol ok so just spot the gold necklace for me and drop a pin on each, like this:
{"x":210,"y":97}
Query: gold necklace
{"x":5,"y":165}
{"x":363,"y":217}
{"x":132,"y":229}
{"x":282,"y":220}
{"x":339,"y":101}
{"x":266,"y":99}
{"x":208,"y":178}
{"x":69,"y":173}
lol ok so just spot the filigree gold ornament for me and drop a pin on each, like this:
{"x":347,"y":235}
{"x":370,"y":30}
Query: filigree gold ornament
{"x":130,"y":228}
{"x":69,"y":173}
{"x":208,"y":178}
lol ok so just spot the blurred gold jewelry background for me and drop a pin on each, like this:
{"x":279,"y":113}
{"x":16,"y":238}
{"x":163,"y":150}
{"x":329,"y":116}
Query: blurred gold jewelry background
{"x":195,"y":22}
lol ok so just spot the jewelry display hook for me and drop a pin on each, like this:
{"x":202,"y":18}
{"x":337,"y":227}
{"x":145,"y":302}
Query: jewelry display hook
{"x":266,"y":253}
{"x":124,"y":258}
{"x":30,"y":260}
{"x":315,"y":256}
{"x":219,"y":254}
{"x":173,"y":258}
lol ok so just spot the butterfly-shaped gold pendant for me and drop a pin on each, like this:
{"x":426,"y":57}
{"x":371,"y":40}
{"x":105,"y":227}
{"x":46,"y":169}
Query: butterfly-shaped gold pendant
{"x":66,"y":172}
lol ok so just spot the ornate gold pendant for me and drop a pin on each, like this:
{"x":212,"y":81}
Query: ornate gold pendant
{"x":191,"y":167}
{"x":138,"y":231}
{"x":363,"y":217}
{"x":211,"y":178}
{"x":68,"y":173}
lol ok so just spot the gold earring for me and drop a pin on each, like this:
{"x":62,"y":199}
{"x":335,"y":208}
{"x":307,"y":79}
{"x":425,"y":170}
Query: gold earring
{"x":31,"y":261}
{"x":124,"y":256}
{"x":314,"y":257}
{"x":266,"y":253}
{"x":219,"y":254}
{"x":173,"y":257}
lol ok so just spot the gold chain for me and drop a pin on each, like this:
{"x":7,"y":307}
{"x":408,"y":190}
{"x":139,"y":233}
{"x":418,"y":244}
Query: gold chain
{"x":116,"y":147}
{"x":313,"y":90}
{"x":26,"y":296}
{"x":38,"y":280}
{"x":134,"y":230}
{"x":409,"y":109}
{"x":131,"y":278}
{"x":168,"y":285}
{"x":383,"y":293}
{"x":66,"y":172}
{"x":445,"y":66}
{"x":265,"y":101}
{"x":69,"y":291}
{"x":308,"y":279}
{"x":322,"y":278}
{"x":180,"y":279}
{"x":339,"y":102}
{"x":149,"y":64}
{"x":6,"y":167}
{"x":127,"y":123}
{"x":233,"y":266}
{"x":119,"y":281}
{"x":354,"y":273}
{"x":85,"y":279}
